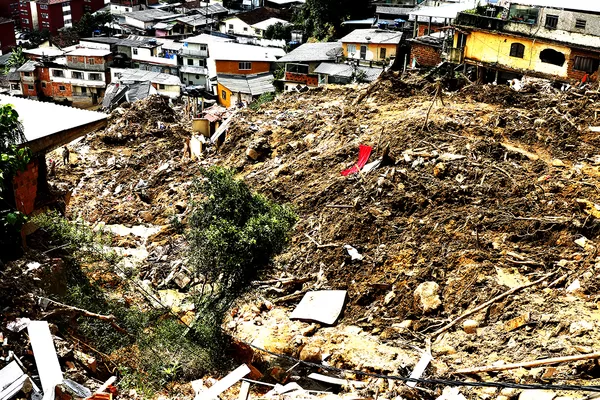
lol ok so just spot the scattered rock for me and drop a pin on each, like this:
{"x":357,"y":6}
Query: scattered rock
{"x":311,"y":354}
{"x":427,"y":296}
{"x":532,"y":394}
{"x":470,"y":326}
{"x":580,"y":327}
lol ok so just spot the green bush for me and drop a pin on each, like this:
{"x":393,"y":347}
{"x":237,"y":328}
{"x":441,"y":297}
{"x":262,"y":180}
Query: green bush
{"x":262,"y":99}
{"x":233,"y":234}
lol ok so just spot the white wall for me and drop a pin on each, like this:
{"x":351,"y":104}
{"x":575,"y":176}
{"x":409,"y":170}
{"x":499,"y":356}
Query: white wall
{"x":239,"y":27}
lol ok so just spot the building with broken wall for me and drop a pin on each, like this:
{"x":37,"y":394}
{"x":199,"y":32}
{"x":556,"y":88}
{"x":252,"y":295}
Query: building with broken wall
{"x":542,"y":38}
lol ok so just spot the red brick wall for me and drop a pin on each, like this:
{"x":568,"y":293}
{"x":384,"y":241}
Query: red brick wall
{"x":7,"y":36}
{"x":28,"y":92}
{"x":426,"y":56}
{"x":68,"y":92}
{"x":25,"y":188}
{"x":423,"y":27}
{"x":578,"y":75}
{"x":233,"y":67}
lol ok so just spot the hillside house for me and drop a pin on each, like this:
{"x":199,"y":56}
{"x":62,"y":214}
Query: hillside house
{"x":427,"y":20}
{"x":535,"y":37}
{"x":164,"y":84}
{"x":118,"y":7}
{"x":300,"y":63}
{"x":253,"y":23}
{"x":375,"y":45}
{"x":239,"y":89}
{"x":145,"y":20}
{"x":192,"y":59}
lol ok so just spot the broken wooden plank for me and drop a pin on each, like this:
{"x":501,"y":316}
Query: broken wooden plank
{"x":337,"y":381}
{"x":244,"y":391}
{"x":420,"y":368}
{"x":529,"y":364}
{"x":225,"y":383}
{"x":322,"y":306}
{"x":45,"y":356}
{"x":523,"y":152}
{"x":14,"y":388}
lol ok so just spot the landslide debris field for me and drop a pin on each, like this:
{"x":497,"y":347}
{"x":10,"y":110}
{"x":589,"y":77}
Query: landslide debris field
{"x":498,"y":190}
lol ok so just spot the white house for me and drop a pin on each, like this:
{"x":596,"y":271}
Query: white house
{"x":253,"y":23}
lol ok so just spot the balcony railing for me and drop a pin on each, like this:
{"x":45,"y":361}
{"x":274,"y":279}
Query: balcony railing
{"x":480,"y":21}
{"x":194,"y":52}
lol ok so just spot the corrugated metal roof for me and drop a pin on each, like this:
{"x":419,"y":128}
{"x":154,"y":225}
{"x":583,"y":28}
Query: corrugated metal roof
{"x":41,"y":119}
{"x":345,"y":71}
{"x":249,"y":84}
{"x":29,"y":66}
{"x":89,"y":52}
{"x":164,"y":26}
{"x":196,"y":20}
{"x":313,"y":52}
{"x":263,"y":25}
{"x":243,"y":52}
{"x":138,"y":75}
{"x":394,"y":10}
{"x":372,"y":36}
{"x":205,"y":39}
{"x":44,"y":51}
{"x":150,"y":15}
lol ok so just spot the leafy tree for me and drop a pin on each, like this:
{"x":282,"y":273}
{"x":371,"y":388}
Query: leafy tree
{"x":85,"y":27}
{"x":322,"y":18}
{"x":12,"y":159}
{"x":15,"y":60}
{"x":38,"y":37}
{"x":279,"y":31}
{"x":233,"y":233}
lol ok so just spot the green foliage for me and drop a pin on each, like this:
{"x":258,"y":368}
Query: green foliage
{"x":321,"y":18}
{"x":15,"y":60}
{"x":279,"y":73}
{"x":85,"y":27}
{"x":279,"y":31}
{"x":262,"y":99}
{"x":233,"y":233}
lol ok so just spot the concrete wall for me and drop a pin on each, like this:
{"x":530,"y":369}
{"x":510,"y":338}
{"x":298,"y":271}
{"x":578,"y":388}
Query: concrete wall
{"x":239,"y":27}
{"x":224,"y":95}
{"x":373,"y":51}
{"x":494,"y":48}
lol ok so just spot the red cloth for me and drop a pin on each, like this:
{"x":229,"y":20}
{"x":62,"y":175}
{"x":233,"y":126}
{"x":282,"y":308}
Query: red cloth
{"x":364,"y":152}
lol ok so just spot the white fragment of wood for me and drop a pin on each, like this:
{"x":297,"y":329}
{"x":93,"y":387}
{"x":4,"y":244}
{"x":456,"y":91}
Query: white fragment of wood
{"x":420,"y":368}
{"x":106,"y":384}
{"x":45,"y":356}
{"x":225,"y":383}
{"x":244,"y":391}
{"x":337,"y":381}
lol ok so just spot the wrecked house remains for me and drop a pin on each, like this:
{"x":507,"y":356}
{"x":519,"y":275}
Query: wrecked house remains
{"x":542,"y":38}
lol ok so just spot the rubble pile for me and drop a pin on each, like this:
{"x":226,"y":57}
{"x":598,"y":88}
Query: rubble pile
{"x":466,"y":228}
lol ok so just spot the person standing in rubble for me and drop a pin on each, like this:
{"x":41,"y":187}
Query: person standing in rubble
{"x":65,"y":156}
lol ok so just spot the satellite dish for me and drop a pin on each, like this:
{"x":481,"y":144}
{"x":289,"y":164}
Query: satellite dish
{"x":368,"y":38}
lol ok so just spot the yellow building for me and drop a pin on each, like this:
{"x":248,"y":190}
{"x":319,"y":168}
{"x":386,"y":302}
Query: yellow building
{"x":527,"y":40}
{"x":371,"y":44}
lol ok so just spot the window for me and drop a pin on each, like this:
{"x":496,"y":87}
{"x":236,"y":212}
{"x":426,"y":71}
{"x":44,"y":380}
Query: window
{"x":230,"y":26}
{"x":245,"y":29}
{"x":25,"y":20}
{"x":580,"y":23}
{"x":43,"y":6}
{"x":62,"y":88}
{"x":68,"y":12}
{"x":83,"y":90}
{"x":91,"y":61}
{"x":135,"y":51}
{"x":203,"y":47}
{"x":517,"y":50}
{"x":551,"y":21}
{"x":589,"y":65}
{"x":382,"y":54}
{"x":363,"y":52}
{"x":245,"y":66}
{"x":44,"y":15}
{"x":14,"y":86}
{"x":30,"y":87}
{"x":127,"y":9}
{"x":297,"y":68}
{"x":94,"y":77}
{"x":197,"y":76}
{"x":77,"y":75}
{"x":44,"y":85}
{"x":58,"y":73}
{"x":257,"y":32}
{"x":223,"y":95}
{"x":67,"y":21}
{"x":551,"y":56}
{"x":190,"y":61}
{"x":161,"y":86}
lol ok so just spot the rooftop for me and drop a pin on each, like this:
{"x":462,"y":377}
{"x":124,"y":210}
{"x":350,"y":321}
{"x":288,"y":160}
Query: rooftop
{"x":391,"y":10}
{"x":196,"y":20}
{"x":443,"y":11}
{"x":29,"y":66}
{"x":131,"y":41}
{"x":138,"y":75}
{"x":44,"y":51}
{"x":344,"y":70}
{"x":579,"y":5}
{"x":254,"y":85}
{"x":151,"y":15}
{"x":243,"y":52}
{"x":82,"y":51}
{"x":260,"y":14}
{"x":42,"y":120}
{"x":206,"y":39}
{"x":283,"y":2}
{"x":372,"y":36}
{"x":313,"y":52}
{"x":263,"y":25}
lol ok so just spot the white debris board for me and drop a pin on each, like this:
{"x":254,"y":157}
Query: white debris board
{"x":322,"y":306}
{"x":44,"y":352}
{"x":224,"y":383}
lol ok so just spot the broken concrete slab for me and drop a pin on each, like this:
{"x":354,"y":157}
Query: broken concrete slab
{"x":322,"y":306}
